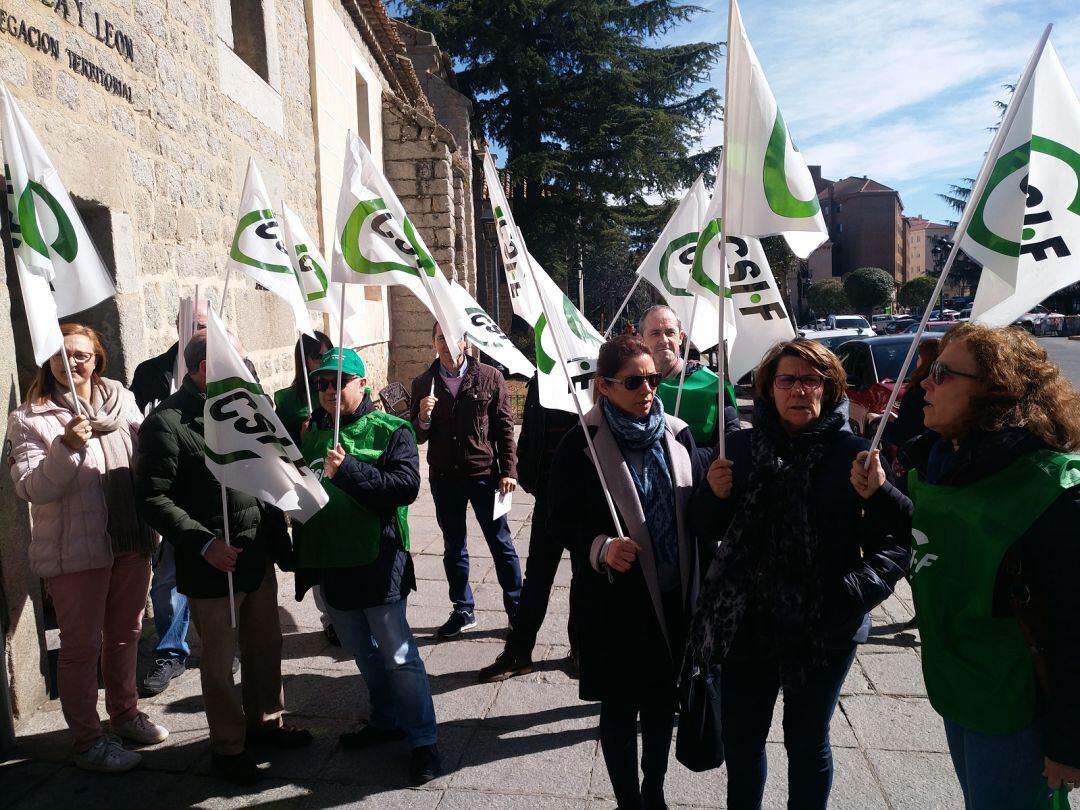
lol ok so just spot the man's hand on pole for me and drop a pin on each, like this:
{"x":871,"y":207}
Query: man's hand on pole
{"x":222,"y":556}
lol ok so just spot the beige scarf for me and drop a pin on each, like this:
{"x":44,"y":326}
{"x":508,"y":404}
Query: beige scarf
{"x":106,"y":414}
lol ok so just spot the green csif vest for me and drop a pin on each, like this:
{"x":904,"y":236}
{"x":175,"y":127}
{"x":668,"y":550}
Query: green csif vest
{"x":345,"y":533}
{"x":977,"y":667}
{"x":698,"y":405}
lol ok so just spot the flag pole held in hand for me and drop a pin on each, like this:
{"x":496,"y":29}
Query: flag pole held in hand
{"x":965,"y":220}
{"x":225,"y":526}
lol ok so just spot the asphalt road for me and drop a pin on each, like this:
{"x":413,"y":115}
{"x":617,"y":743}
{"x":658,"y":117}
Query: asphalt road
{"x":1066,"y":353}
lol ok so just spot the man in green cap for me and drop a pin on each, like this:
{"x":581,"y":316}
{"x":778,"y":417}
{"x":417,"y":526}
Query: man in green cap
{"x":662,"y":331}
{"x":357,"y":549}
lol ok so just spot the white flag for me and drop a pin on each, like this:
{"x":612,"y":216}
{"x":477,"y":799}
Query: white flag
{"x":761,"y":319}
{"x":708,"y":274}
{"x":769,"y":186}
{"x":376,"y":242}
{"x":486,"y":335}
{"x":310,"y":268}
{"x":667,"y":267}
{"x":578,"y":339}
{"x":522,"y":297}
{"x":59,"y":269}
{"x":247,"y":448}
{"x":1025,"y":228}
{"x":258,"y":249}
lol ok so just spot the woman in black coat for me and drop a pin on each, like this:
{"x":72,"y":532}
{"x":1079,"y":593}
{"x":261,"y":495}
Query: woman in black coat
{"x":811,"y":542}
{"x":632,"y":593}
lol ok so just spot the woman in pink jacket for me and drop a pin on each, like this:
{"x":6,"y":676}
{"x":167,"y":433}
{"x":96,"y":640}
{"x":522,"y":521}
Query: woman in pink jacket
{"x":87,"y":542}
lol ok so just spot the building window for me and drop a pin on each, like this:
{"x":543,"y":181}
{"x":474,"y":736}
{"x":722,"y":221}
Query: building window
{"x":249,"y":35}
{"x":363,"y":111}
{"x":839,"y":208}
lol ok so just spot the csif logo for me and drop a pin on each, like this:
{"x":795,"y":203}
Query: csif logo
{"x":258,"y":244}
{"x":374,"y":242}
{"x":26,"y":229}
{"x":986,"y":232}
{"x":678,"y":256}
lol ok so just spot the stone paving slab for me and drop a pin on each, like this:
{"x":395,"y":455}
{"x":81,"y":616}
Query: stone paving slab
{"x":524,"y":743}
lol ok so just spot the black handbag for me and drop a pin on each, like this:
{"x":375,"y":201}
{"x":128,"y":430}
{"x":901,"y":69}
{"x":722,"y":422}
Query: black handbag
{"x":699,"y":746}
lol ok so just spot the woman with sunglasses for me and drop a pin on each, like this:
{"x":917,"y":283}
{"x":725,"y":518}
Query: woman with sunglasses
{"x":631,"y":593}
{"x":996,"y":564}
{"x":73,"y":463}
{"x":810,"y":542}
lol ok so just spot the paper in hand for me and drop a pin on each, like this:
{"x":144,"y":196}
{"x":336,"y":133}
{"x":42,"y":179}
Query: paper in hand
{"x":502,"y":504}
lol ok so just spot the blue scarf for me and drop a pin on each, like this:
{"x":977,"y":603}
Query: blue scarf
{"x":654,"y":486}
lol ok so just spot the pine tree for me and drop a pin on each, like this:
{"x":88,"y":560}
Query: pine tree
{"x":593,"y":118}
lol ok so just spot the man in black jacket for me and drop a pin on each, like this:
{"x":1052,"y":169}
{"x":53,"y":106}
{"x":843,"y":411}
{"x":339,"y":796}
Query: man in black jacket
{"x":357,"y":549}
{"x":462,"y":409}
{"x":155,"y":379}
{"x":178,"y":497}
{"x":541,"y":431}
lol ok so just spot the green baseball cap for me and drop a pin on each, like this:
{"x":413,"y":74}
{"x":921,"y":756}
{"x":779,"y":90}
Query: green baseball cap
{"x":350,"y":363}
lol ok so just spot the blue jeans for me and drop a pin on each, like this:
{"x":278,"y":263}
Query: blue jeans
{"x":747,"y":696}
{"x":999,"y":771}
{"x":171,"y":614}
{"x":451,"y":498}
{"x":381,"y":641}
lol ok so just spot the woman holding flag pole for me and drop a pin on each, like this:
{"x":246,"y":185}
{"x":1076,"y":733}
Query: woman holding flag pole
{"x":781,"y":505}
{"x":71,"y":458}
{"x":633,"y":589}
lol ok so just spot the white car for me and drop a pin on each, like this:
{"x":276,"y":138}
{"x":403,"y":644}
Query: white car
{"x":831,"y":338}
{"x":846,"y":322}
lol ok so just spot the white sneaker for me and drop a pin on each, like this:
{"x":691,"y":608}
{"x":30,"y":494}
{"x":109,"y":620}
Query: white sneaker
{"x":108,"y":756}
{"x":141,"y":729}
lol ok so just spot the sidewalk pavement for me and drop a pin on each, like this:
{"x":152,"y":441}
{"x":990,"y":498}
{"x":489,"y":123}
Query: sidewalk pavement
{"x":527,"y":742}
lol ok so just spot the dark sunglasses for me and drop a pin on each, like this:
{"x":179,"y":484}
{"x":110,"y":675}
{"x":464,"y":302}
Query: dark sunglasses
{"x":326,"y":383}
{"x":939,"y":372}
{"x":809,"y":382}
{"x":634,"y":381}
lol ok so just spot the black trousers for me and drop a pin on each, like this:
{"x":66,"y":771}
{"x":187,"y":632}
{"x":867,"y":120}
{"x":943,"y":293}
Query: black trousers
{"x":545,"y":554}
{"x":618,"y":740}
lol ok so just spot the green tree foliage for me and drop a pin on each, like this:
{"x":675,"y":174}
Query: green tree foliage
{"x":827,"y":297}
{"x":593,"y":119}
{"x":783,"y":263}
{"x":964,"y":275}
{"x":868,"y":288}
{"x":916,"y":293}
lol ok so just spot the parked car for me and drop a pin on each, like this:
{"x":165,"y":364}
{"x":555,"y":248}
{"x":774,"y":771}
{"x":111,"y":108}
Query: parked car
{"x":899,"y":325}
{"x":831,"y":338}
{"x":872,"y":365}
{"x":932,"y":326}
{"x":965,"y":315}
{"x":1041,"y":321}
{"x":879,"y":322}
{"x":846,"y":322}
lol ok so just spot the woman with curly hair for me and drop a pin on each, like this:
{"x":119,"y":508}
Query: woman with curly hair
{"x":996,"y":563}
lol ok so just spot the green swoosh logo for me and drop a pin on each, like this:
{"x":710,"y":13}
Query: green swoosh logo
{"x":1008,"y":163}
{"x":774,"y":176}
{"x":246,"y":221}
{"x":66,"y":245}
{"x":676,"y":244}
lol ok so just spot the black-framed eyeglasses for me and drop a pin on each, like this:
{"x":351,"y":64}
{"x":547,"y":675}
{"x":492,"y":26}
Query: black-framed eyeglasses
{"x":809,"y":382}
{"x":634,"y":381}
{"x":326,"y":383}
{"x":939,"y":373}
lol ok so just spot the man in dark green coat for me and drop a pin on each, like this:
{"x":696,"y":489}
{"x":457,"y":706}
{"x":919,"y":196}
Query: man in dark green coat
{"x":178,"y":496}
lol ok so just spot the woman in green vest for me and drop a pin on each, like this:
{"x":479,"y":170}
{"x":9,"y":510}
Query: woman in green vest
{"x":293,"y":403}
{"x":997,"y":513}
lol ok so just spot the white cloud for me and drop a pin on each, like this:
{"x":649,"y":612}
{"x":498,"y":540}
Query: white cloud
{"x":900,"y":92}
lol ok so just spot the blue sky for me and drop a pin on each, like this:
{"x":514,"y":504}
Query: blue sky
{"x":902,"y":92}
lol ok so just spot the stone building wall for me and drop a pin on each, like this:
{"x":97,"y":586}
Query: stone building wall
{"x":154,"y":149}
